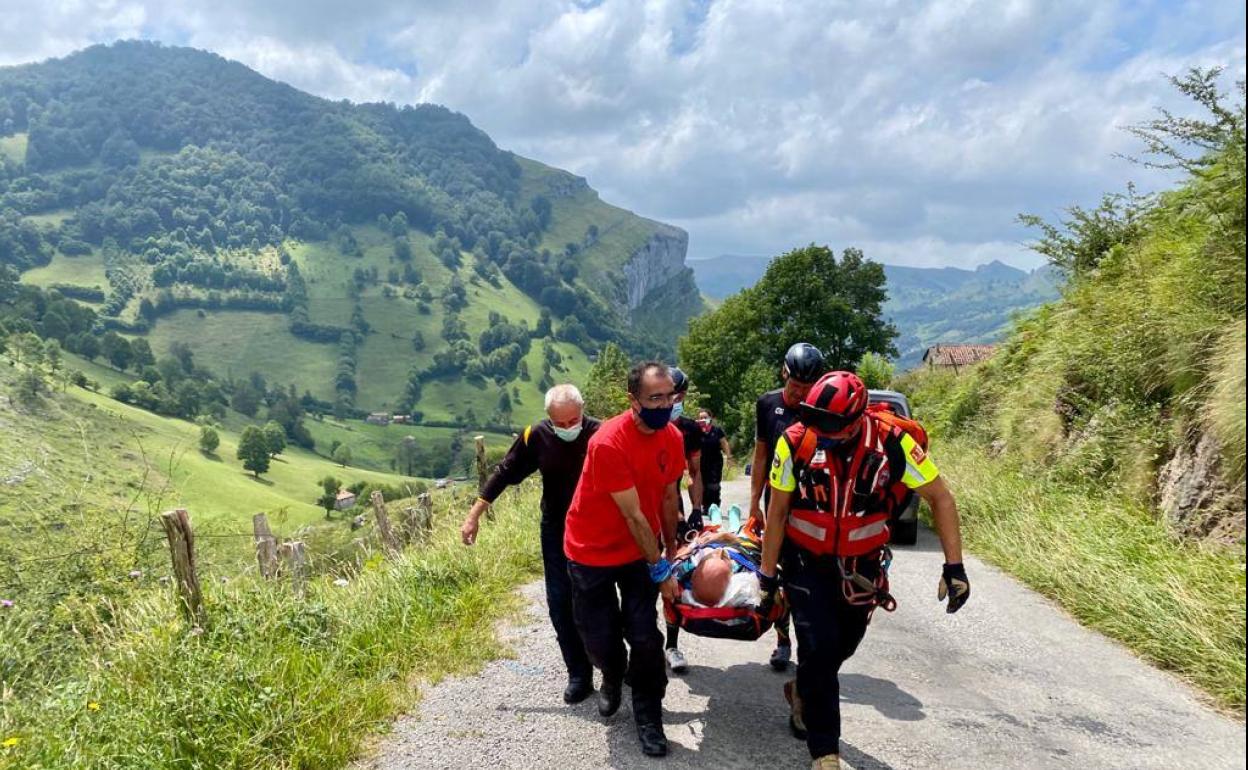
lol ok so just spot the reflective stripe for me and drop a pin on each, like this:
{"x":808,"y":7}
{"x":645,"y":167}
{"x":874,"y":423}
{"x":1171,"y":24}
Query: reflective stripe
{"x":781,"y":476}
{"x":921,"y":473}
{"x":809,"y":529}
{"x":870,"y":530}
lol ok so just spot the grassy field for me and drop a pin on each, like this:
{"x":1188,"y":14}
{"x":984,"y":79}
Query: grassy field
{"x":14,"y":147}
{"x":238,"y":342}
{"x":84,"y":451}
{"x":87,"y":270}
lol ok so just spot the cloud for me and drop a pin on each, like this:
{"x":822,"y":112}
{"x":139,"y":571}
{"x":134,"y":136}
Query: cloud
{"x":913,"y":129}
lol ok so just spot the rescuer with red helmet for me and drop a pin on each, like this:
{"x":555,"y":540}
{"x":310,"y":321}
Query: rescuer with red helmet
{"x":836,"y":476}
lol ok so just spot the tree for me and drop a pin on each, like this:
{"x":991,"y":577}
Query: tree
{"x":807,"y":295}
{"x":342,"y":455}
{"x":115,"y":348}
{"x":208,"y":440}
{"x":329,"y":494}
{"x":504,"y":406}
{"x":408,"y":456}
{"x":141,"y":353}
{"x":253,"y":450}
{"x":606,"y":388}
{"x":875,"y":370}
{"x":274,"y":437}
{"x":245,"y":400}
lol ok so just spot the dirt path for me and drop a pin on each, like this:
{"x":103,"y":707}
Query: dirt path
{"x":1009,"y":682}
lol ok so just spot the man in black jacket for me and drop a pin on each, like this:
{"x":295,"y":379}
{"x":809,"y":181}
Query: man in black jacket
{"x":556,"y":447}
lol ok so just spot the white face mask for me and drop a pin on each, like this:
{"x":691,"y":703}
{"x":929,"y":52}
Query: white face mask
{"x":568,"y":434}
{"x":678,"y":409}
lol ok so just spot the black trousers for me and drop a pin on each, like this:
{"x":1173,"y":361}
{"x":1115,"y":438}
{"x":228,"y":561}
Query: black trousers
{"x":618,"y":605}
{"x":828,"y":631}
{"x":559,"y":602}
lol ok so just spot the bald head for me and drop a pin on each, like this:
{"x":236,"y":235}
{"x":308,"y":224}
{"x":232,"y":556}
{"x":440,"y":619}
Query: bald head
{"x":710,"y":578}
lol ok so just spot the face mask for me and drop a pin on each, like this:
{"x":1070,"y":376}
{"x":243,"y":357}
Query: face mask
{"x":706,"y":425}
{"x":569,"y":434}
{"x":656,"y":418}
{"x":678,"y":409}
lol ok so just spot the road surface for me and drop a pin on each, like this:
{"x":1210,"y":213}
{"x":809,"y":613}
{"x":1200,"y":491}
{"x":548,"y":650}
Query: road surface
{"x":1008,"y":682}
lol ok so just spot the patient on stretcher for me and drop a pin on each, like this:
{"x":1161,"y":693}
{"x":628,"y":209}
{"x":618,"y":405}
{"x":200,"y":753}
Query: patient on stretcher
{"x":711,"y":574}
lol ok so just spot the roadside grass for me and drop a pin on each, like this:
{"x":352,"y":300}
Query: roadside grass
{"x":1110,"y":563}
{"x":271,"y":681}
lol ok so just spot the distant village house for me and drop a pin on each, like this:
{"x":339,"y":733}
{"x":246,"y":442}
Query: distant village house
{"x":344,"y":500}
{"x":378,"y":418}
{"x":956,"y":356}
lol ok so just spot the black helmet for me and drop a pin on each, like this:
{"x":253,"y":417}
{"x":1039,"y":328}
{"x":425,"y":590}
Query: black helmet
{"x":803,"y":362}
{"x":679,"y":378}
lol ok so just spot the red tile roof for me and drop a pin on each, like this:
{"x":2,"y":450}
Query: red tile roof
{"x":957,"y":355}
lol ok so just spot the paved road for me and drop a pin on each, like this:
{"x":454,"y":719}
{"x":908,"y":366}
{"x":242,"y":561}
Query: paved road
{"x":1009,"y":682}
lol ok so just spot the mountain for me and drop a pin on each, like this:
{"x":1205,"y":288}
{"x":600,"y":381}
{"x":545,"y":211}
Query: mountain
{"x":928,"y":305}
{"x":377,"y":257}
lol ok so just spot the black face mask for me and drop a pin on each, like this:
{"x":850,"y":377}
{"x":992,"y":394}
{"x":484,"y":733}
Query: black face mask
{"x":656,"y":418}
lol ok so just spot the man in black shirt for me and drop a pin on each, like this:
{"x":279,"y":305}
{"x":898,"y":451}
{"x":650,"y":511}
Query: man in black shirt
{"x":556,"y":447}
{"x":775,"y":411}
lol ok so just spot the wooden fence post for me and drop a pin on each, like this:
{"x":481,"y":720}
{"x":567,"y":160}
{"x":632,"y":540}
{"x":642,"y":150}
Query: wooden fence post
{"x":266,"y":545}
{"x":177,"y":525}
{"x":425,"y":502}
{"x":296,"y":564}
{"x":388,"y":539}
{"x":482,"y":472}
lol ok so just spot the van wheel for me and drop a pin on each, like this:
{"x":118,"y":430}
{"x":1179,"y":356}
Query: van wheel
{"x":905,"y":532}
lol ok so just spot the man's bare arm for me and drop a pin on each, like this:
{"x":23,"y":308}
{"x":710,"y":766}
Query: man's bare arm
{"x":669,"y":517}
{"x":758,"y":477}
{"x":630,"y":507}
{"x":945,"y":514}
{"x":694,"y":462}
{"x":773,"y":531}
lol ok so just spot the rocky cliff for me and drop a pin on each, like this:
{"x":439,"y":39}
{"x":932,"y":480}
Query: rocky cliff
{"x":660,"y":259}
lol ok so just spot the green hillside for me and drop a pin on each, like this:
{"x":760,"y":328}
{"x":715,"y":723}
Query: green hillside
{"x":377,"y":258}
{"x":83,"y":453}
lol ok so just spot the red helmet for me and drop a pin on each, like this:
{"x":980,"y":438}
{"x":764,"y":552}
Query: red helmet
{"x":836,"y":402}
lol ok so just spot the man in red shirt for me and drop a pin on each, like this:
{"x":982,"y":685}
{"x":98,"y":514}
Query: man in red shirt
{"x":626,"y":500}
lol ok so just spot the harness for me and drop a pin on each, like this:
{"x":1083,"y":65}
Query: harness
{"x":841,"y":506}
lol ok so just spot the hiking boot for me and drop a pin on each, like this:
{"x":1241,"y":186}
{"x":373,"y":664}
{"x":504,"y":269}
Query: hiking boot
{"x":827,"y":762}
{"x":578,"y":689}
{"x":796,"y":725}
{"x":781,"y":656}
{"x":609,"y":698}
{"x":676,"y":660}
{"x":653,"y":741}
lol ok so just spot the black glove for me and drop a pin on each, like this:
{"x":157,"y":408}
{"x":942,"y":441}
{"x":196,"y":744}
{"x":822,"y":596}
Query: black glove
{"x":695,"y":520}
{"x":955,"y":585}
{"x":769,"y":585}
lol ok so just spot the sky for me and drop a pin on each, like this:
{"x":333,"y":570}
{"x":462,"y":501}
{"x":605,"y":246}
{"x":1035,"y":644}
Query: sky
{"x":916,"y":131}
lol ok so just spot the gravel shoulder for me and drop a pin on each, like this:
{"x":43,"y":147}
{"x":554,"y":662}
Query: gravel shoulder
{"x":1009,"y":682}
